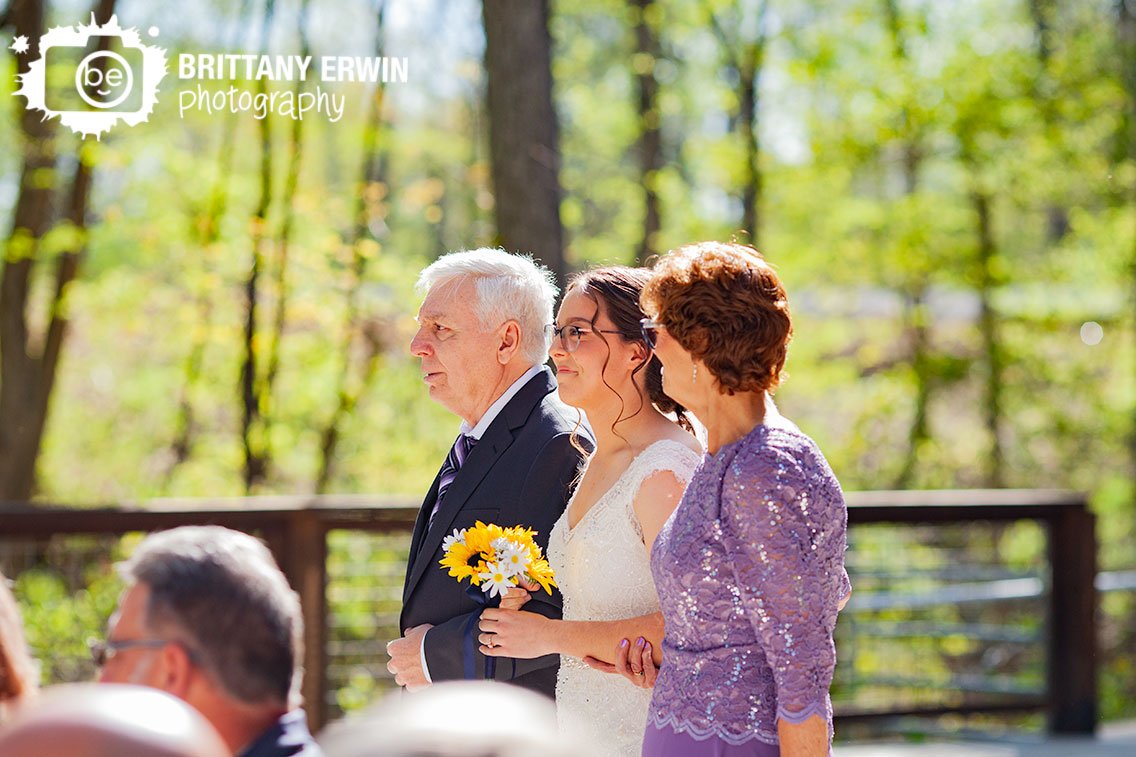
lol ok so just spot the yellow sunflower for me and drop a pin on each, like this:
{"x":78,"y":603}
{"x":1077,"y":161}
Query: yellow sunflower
{"x":541,"y":572}
{"x":463,"y":562}
{"x":480,"y":538}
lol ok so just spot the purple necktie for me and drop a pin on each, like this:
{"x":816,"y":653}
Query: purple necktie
{"x":458,"y":453}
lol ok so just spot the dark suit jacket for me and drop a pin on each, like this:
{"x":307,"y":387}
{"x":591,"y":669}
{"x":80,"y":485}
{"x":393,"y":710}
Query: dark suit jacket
{"x":519,"y":473}
{"x":287,"y":737}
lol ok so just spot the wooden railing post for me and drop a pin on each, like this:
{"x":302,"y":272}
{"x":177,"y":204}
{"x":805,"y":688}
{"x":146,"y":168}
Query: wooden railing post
{"x":1072,"y":649}
{"x":303,"y":557}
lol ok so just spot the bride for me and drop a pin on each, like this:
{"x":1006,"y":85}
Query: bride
{"x":627,"y":489}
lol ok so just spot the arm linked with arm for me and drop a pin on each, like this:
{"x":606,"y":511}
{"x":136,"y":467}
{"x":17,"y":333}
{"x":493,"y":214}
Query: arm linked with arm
{"x":542,"y":498}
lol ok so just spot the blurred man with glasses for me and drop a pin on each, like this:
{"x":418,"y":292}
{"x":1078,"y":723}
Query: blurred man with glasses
{"x":208,"y":617}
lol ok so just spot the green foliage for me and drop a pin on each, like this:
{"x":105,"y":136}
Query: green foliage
{"x":64,"y":608}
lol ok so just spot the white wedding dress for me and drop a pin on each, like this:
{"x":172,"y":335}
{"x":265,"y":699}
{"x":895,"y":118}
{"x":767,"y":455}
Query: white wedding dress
{"x":603,"y":572}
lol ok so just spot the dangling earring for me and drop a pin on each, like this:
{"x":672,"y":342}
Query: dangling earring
{"x":694,"y":374}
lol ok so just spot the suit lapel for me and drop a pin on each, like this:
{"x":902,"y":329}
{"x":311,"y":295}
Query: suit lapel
{"x":493,"y":443}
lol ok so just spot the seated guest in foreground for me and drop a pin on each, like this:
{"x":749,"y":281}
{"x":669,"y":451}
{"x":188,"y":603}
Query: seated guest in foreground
{"x":455,"y":719}
{"x":208,"y":617}
{"x":18,"y":673}
{"x":750,"y":569}
{"x":88,"y":720}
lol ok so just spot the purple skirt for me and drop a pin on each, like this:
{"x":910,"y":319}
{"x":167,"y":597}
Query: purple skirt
{"x":665,"y":742}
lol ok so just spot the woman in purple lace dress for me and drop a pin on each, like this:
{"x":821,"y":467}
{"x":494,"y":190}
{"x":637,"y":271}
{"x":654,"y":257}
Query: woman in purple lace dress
{"x":750,"y":567}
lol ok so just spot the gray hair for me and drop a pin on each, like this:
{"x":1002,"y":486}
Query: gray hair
{"x":222,"y":593}
{"x":508,"y":287}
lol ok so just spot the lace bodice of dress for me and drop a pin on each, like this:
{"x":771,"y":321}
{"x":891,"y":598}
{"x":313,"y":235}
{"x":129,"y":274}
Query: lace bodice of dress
{"x":603,"y":571}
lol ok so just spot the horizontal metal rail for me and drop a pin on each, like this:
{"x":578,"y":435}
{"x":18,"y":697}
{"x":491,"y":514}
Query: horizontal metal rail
{"x":296,"y":529}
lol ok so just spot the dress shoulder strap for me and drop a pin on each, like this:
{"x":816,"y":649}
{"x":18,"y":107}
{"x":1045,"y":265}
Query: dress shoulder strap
{"x":665,"y":455}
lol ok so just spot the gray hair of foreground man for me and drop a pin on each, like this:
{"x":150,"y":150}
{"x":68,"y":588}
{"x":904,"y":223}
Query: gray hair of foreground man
{"x":109,"y":720}
{"x":455,"y":719}
{"x":508,"y":287}
{"x":221,"y":592}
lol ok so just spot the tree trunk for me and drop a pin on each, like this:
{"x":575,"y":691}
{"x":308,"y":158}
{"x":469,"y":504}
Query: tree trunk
{"x":919,"y":433}
{"x":749,"y":121}
{"x":254,"y":430}
{"x":284,"y":240}
{"x":19,"y":374}
{"x":650,"y":144}
{"x":29,"y":362}
{"x":1126,"y":30}
{"x":205,"y":228}
{"x":991,"y":342}
{"x":915,"y":308}
{"x":523,"y":130}
{"x":1042,"y":12}
{"x":370,"y":201}
{"x":747,"y":64}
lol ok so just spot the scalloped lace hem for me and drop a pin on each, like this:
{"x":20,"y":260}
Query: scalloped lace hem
{"x":813,"y":708}
{"x":679,"y":725}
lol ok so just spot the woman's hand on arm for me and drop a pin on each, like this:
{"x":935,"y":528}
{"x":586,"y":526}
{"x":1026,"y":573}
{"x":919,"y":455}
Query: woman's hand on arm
{"x":514,"y":634}
{"x":635,"y":662}
{"x":598,"y":639}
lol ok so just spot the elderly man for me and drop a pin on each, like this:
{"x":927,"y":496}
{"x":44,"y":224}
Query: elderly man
{"x":482,"y":340}
{"x":208,"y":617}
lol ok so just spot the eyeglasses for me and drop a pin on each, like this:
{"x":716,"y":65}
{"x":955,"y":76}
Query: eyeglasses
{"x":103,"y":651}
{"x":570,"y":335}
{"x":650,"y":330}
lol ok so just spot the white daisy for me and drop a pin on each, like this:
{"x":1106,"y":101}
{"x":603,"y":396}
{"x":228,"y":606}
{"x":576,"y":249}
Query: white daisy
{"x":454,"y":538}
{"x":494,"y":581}
{"x":513,"y":560}
{"x":500,"y":544}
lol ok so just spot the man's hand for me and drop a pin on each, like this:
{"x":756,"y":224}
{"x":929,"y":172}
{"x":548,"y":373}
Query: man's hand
{"x":406,"y":658}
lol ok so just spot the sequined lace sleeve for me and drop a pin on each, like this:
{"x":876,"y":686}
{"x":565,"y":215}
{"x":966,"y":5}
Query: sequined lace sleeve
{"x":784,"y":521}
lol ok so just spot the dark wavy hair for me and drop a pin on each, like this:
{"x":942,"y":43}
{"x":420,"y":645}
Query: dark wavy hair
{"x":616,"y":291}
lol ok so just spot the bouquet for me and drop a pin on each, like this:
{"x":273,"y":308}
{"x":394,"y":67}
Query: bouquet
{"x":496,"y":558}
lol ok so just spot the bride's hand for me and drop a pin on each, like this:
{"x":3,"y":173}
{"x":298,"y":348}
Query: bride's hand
{"x":515,"y":597}
{"x":633,"y":661}
{"x":509,"y":633}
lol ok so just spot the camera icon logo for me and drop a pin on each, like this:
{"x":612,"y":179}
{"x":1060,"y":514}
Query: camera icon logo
{"x":93,"y":76}
{"x":98,"y":85}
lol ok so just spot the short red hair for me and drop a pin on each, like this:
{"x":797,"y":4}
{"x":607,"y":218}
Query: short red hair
{"x":726,"y":306}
